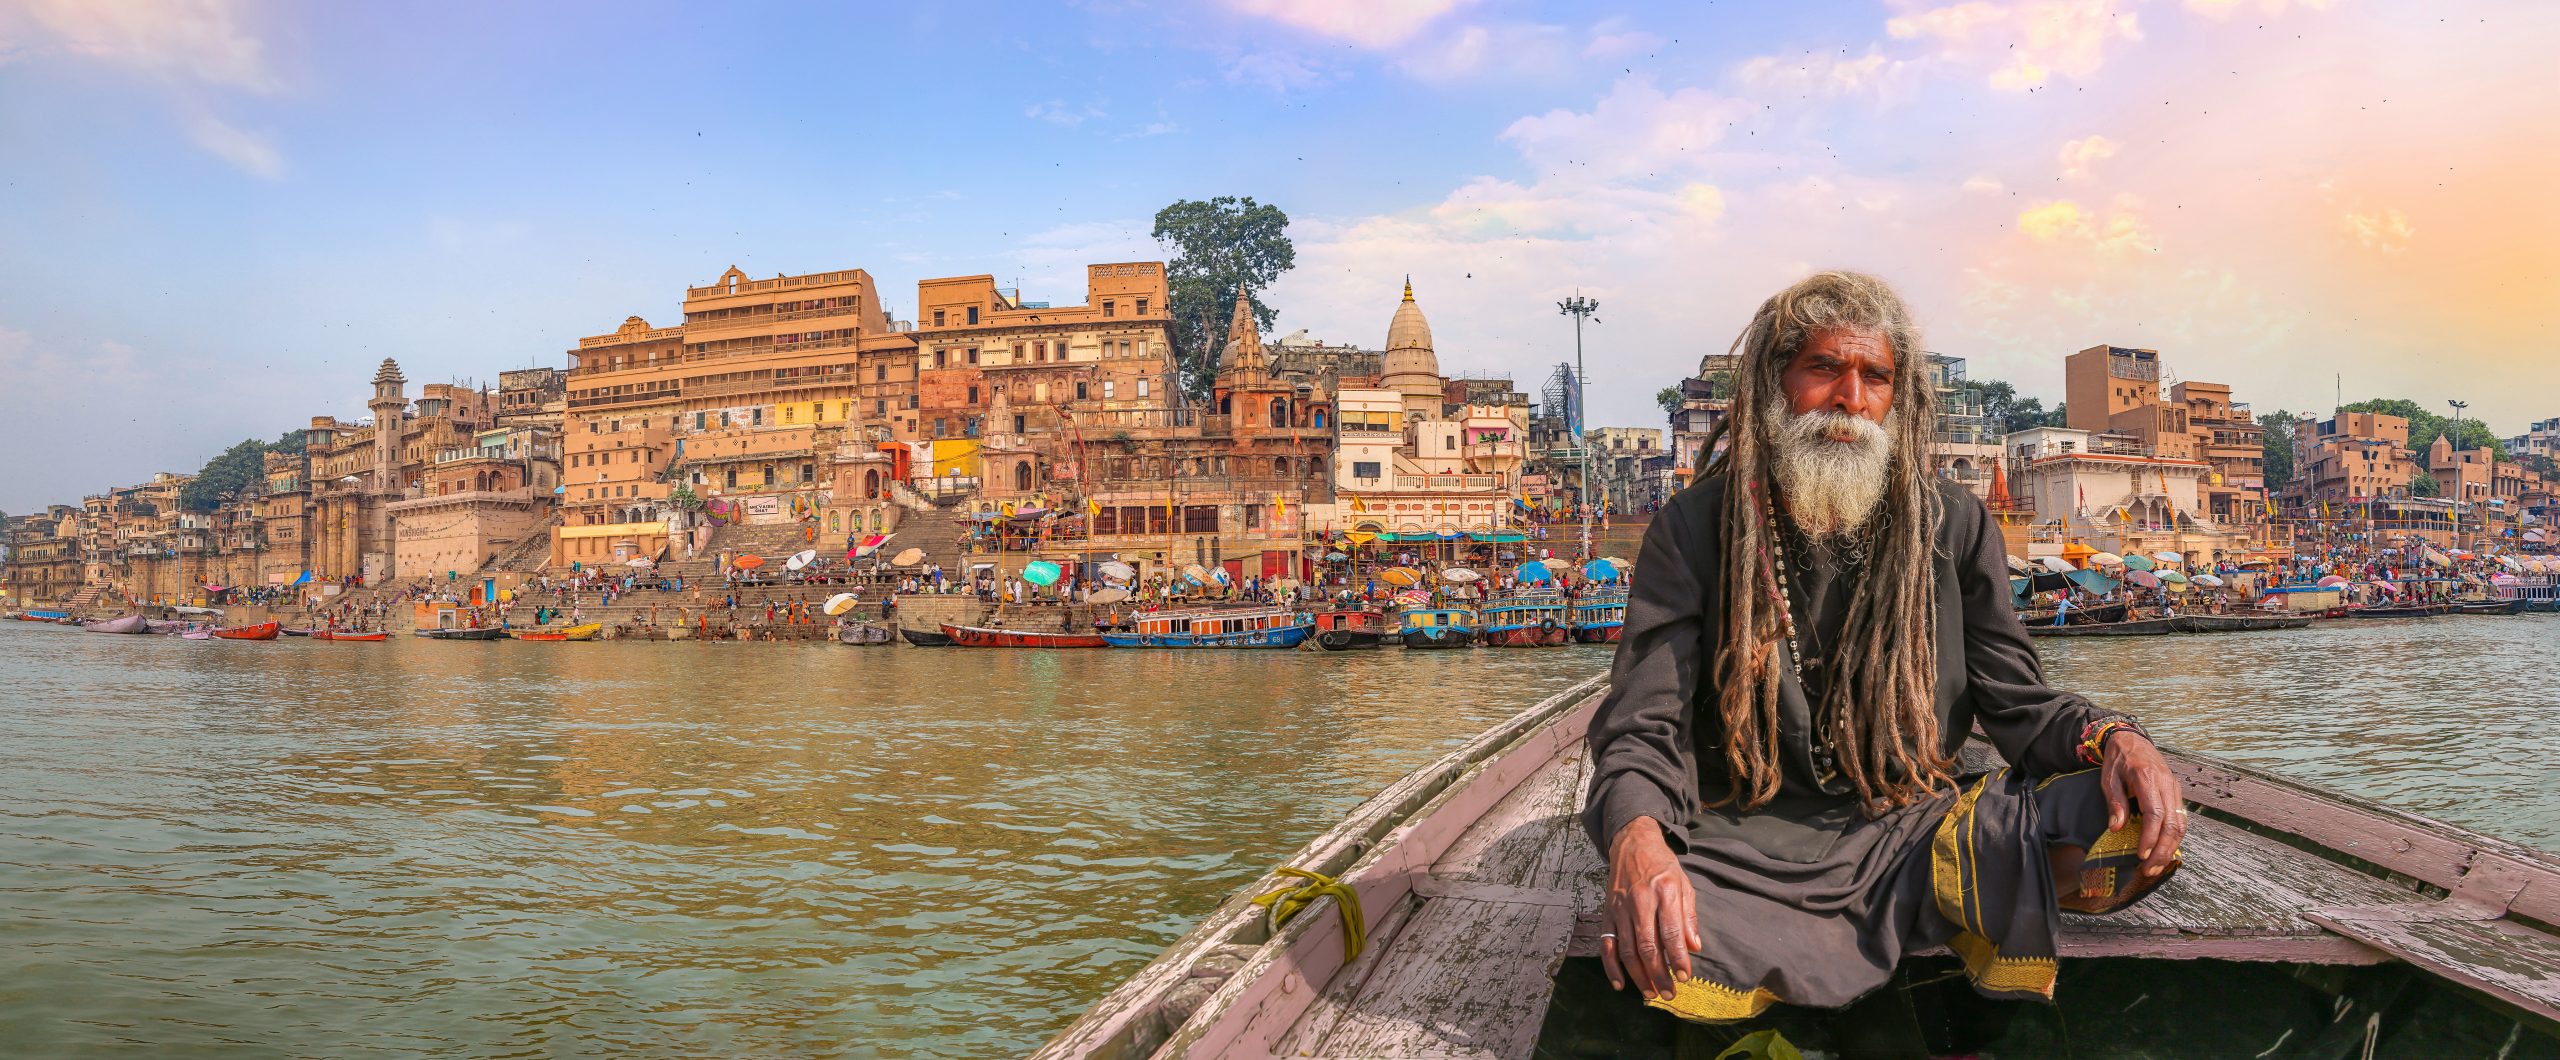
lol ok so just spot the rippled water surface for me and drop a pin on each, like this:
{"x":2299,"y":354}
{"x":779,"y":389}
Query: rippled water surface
{"x":438,"y":849}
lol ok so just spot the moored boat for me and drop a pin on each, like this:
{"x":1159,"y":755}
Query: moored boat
{"x":1525,"y":620}
{"x":260,"y":631}
{"x":988,"y":637}
{"x":1260,"y":627}
{"x":2353,"y":928}
{"x":2237,"y":623}
{"x":295,"y":632}
{"x":196,"y":634}
{"x":584,"y":631}
{"x":2140,"y":627}
{"x":1436,"y":627}
{"x":374,"y":637}
{"x":2409,"y":611}
{"x":1350,"y":629}
{"x":863,"y":634}
{"x":121,"y":624}
{"x":1597,"y":615}
{"x":925,"y":638}
{"x":2492,"y":607}
{"x":468,"y":633}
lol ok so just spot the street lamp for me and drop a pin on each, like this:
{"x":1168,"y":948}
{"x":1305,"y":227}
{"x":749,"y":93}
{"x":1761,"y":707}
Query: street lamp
{"x":2453,"y":438}
{"x":1580,"y":309}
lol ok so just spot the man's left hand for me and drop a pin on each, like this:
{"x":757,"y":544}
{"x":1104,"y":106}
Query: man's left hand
{"x":2136,"y":776}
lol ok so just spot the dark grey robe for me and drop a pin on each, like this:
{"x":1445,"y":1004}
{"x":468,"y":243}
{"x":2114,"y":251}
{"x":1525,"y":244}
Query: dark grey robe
{"x":1806,"y":899}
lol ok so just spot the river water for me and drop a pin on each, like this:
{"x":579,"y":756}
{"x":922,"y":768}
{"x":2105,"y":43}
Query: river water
{"x":439,"y":849}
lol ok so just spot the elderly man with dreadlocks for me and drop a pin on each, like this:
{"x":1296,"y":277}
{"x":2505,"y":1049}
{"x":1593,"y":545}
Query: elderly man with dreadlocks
{"x":1815,"y":628}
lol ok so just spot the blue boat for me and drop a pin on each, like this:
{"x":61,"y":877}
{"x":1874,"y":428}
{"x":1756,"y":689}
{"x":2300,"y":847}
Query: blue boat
{"x":1233,"y":628}
{"x":1436,"y":627}
{"x":1598,"y":615}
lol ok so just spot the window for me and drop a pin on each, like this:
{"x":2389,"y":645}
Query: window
{"x":880,"y":407}
{"x":1364,"y":469}
{"x":973,"y":395}
{"x":724,"y":417}
{"x":756,"y":416}
{"x":1106,"y":308}
{"x":808,"y":472}
{"x":1448,"y":441}
{"x":1017,"y":424}
{"x":1280,"y":466}
{"x":973,"y":314}
{"x":731,"y":478}
{"x":939,"y":358}
{"x":879,"y":373}
{"x":1107,"y":387}
{"x":1142,"y":311}
{"x":1079,"y":389}
{"x":937,"y":318}
{"x":1142,"y":388}
{"x":940,"y":427}
{"x":592,"y":428}
{"x":786,"y":413}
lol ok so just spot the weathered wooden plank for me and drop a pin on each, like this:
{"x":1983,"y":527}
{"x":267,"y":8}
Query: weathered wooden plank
{"x":1126,"y":1023}
{"x":1517,"y":842}
{"x":1414,"y":1006}
{"x":2505,"y":960}
{"x":2237,"y":884}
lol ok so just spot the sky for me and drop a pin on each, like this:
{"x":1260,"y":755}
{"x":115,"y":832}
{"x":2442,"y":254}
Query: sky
{"x":217,"y":216}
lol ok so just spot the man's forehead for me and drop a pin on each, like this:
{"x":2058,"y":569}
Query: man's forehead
{"x":1850,"y":342}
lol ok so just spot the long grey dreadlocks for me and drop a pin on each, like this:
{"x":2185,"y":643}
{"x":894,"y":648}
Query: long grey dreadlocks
{"x":1879,"y":711}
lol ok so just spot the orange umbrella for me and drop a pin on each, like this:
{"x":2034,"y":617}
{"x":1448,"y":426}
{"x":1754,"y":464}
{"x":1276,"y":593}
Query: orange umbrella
{"x":747,"y":562}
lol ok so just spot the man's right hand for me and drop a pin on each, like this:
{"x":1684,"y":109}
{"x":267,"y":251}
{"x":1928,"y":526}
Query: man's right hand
{"x":1650,"y":912}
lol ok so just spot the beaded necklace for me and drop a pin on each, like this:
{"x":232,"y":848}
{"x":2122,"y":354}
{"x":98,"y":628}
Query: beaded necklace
{"x":1825,"y":768}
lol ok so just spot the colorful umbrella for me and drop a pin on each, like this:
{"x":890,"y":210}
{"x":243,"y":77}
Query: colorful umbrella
{"x":2138,"y":561}
{"x":908,"y":558}
{"x":2173,"y":577}
{"x":801,"y":559}
{"x":1400,"y":576}
{"x":2207,"y":580}
{"x":1460,"y":575}
{"x":1336,"y":557}
{"x":747,"y":562}
{"x":840,"y":603}
{"x":2077,"y":551}
{"x":1532,"y":572}
{"x":1117,"y":571}
{"x":2332,"y":581}
{"x":2169,"y":558}
{"x":2143,"y":578}
{"x":1040,"y":572}
{"x":2104,"y":559}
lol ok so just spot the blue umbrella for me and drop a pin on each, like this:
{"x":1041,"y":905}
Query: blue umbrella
{"x":1040,"y":572}
{"x":1600,"y":570}
{"x":1531,"y":573}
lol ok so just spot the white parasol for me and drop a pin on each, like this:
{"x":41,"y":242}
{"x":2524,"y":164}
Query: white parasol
{"x":2057,"y":564}
{"x":840,"y":603}
{"x":1111,"y":595}
{"x":1114,"y":570}
{"x":908,"y":558}
{"x":1460,"y":575}
{"x":801,"y":559}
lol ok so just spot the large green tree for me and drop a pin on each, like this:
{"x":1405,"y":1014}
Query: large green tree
{"x":2277,"y":448}
{"x":1218,"y":246}
{"x":1669,"y":398}
{"x":2425,"y":426}
{"x":2422,"y":484}
{"x":2007,"y":409}
{"x":235,"y":472}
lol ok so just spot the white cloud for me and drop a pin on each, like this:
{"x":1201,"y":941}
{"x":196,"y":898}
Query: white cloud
{"x":1820,"y":74}
{"x":1635,"y":130}
{"x":2026,"y":42}
{"x":247,"y":150}
{"x":1512,"y":50}
{"x":2078,"y":156}
{"x":2219,"y":9}
{"x":1367,"y":23}
{"x":179,"y":40}
{"x":2385,"y":230}
{"x":1058,"y":112}
{"x":2116,"y":230}
{"x":1613,"y":38}
{"x":1276,"y":71}
{"x":1985,"y":184}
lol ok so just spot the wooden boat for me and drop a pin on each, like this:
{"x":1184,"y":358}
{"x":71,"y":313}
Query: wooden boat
{"x":585,"y":631}
{"x":375,"y":637}
{"x":2492,"y":607}
{"x":985,"y":637}
{"x":468,"y":633}
{"x":1350,"y":629}
{"x":1260,"y":627}
{"x":1525,"y":620}
{"x":2408,"y":611}
{"x":926,"y":638}
{"x":2096,"y":614}
{"x":2353,"y":929}
{"x":294,"y":632}
{"x":120,"y":624}
{"x":1436,"y":627}
{"x":863,"y":633}
{"x":261,"y":631}
{"x":2237,"y":623}
{"x":43,"y":616}
{"x":1597,"y":617}
{"x":196,"y":634}
{"x":166,"y":627}
{"x":2140,"y":627}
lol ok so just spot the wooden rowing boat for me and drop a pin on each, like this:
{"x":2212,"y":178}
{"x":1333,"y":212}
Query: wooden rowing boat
{"x":349,"y":635}
{"x":124,"y":624}
{"x":2237,"y":623}
{"x":926,"y":638}
{"x":863,"y":634}
{"x":587,"y":631}
{"x":2411,"y":611}
{"x":260,"y":631}
{"x":985,"y":637}
{"x":2492,"y":607}
{"x":471,"y":633}
{"x":2140,"y":627}
{"x":2349,"y":926}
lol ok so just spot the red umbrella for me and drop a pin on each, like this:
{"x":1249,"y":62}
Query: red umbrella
{"x":747,"y":562}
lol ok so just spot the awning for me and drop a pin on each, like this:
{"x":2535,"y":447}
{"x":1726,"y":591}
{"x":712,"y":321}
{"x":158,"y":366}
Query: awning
{"x":1505,"y":537}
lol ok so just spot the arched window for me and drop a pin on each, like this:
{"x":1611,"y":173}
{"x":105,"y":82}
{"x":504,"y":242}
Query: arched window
{"x":1022,"y":476}
{"x":871,"y":483}
{"x":1280,"y":466}
{"x":1226,"y":405}
{"x":1319,"y":417}
{"x":1279,"y":412}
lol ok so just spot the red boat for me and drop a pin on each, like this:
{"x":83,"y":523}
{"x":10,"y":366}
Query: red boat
{"x":1350,"y":628}
{"x":261,"y":631}
{"x":983,"y":637}
{"x":322,"y":634}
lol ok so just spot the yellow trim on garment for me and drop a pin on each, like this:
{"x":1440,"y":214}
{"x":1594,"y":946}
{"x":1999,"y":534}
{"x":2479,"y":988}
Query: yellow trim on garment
{"x":1951,"y":872}
{"x":1701,"y":1001}
{"x":2005,"y":975}
{"x":2120,"y":841}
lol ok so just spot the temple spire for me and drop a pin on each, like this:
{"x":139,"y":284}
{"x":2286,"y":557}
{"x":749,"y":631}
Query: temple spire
{"x":1244,"y":339}
{"x":1408,"y":287}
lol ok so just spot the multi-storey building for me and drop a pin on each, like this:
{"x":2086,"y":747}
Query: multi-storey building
{"x":2542,"y":440}
{"x":533,"y":397}
{"x":474,"y":501}
{"x":2348,"y":457}
{"x":45,"y":564}
{"x":2116,"y":494}
{"x":1412,"y":466}
{"x":1965,"y":445}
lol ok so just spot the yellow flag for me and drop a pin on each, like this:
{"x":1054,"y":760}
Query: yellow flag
{"x":1008,"y":507}
{"x":1279,"y":506}
{"x":1357,"y":506}
{"x":1092,"y":507}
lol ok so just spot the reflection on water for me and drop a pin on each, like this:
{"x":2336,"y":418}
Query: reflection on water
{"x":427,"y":848}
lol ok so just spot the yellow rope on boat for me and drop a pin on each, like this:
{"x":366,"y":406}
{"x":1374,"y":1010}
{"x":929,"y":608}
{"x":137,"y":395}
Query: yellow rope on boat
{"x":1287,"y":901}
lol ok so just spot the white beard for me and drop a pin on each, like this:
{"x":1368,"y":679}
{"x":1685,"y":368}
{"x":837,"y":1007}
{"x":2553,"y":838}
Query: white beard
{"x":1831,"y":487}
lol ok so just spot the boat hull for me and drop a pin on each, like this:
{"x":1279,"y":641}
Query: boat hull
{"x":357,"y":638}
{"x":2238,"y":623}
{"x":486,"y":633}
{"x":863,"y":634}
{"x":295,"y":632}
{"x":1543,"y":636}
{"x":2144,"y":627}
{"x":1606,"y":633}
{"x":1438,"y":637}
{"x":126,"y":624}
{"x":2494,"y":607}
{"x":984,"y":637}
{"x":585,"y":632}
{"x":1277,"y":637}
{"x":261,"y":631}
{"x":1350,"y":639}
{"x":926,"y":638}
{"x":2390,"y":612}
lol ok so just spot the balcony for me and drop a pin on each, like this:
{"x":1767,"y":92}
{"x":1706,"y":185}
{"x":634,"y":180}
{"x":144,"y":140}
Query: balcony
{"x":1462,"y":483}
